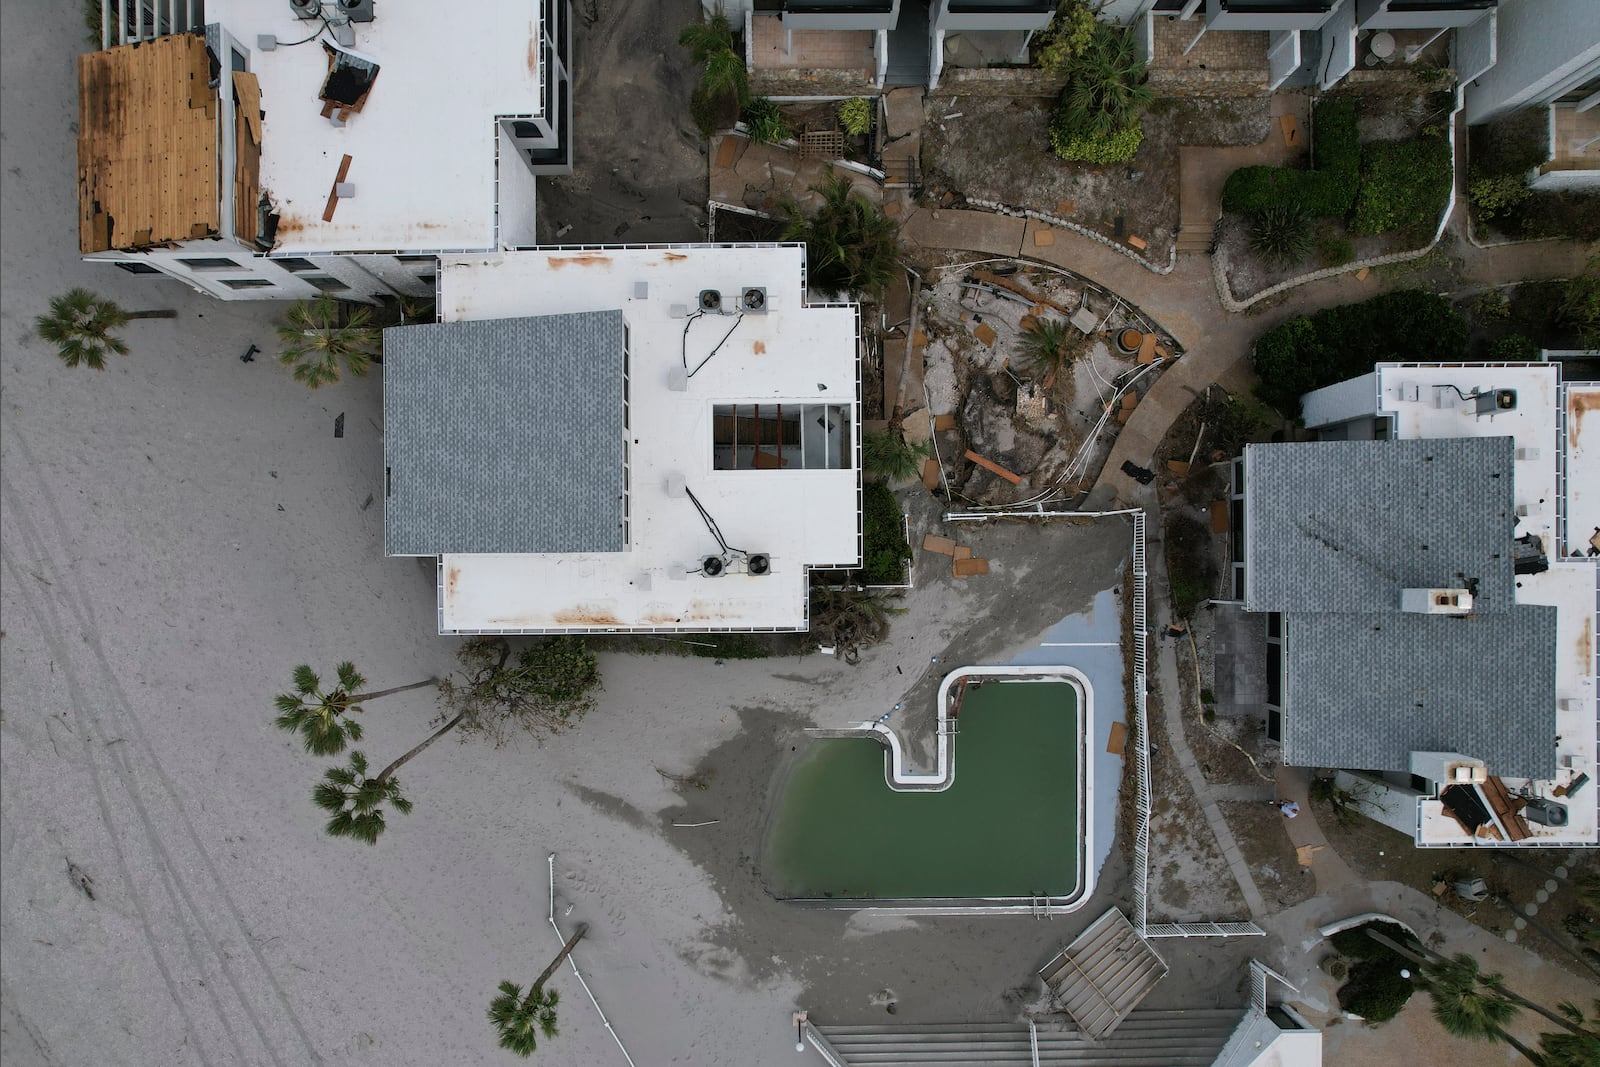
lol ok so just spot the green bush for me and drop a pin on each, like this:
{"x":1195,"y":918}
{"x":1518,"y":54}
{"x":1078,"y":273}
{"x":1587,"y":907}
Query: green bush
{"x":1355,"y":943}
{"x":1404,"y":185}
{"x":884,"y":533}
{"x":728,"y":646}
{"x":765,"y":122}
{"x":855,"y":115}
{"x":1327,"y":191}
{"x":1336,"y":343}
{"x":1068,"y":34}
{"x":889,"y":455}
{"x":1375,"y":990}
{"x":1495,"y":194}
{"x":1514,"y":348}
{"x":1088,"y":148}
{"x":1334,"y":249}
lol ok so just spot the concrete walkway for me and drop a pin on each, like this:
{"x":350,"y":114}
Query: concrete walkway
{"x":1330,"y":871}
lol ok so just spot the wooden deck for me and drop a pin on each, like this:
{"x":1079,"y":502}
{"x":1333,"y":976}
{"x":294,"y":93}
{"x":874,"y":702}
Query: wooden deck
{"x":1505,"y":808}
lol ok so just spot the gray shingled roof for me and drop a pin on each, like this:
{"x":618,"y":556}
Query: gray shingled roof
{"x":504,"y":435}
{"x":1365,"y":691}
{"x":1346,"y":525}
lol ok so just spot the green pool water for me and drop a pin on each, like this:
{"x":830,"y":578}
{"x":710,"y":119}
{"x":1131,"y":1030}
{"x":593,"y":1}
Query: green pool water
{"x":1007,"y":827}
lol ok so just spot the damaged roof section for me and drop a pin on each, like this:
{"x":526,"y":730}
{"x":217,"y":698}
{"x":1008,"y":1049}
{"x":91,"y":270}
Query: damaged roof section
{"x":147,"y":145}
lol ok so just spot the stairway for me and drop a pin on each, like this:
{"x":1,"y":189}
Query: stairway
{"x":1196,"y":237}
{"x":1145,"y":1039}
{"x":910,"y":47}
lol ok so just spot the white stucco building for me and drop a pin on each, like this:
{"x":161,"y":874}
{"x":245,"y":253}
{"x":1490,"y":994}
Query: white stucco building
{"x":604,"y":440}
{"x":285,"y":148}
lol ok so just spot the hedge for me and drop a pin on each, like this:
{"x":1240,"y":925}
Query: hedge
{"x":884,"y":533}
{"x":1404,"y":185}
{"x":1119,"y":147}
{"x":1336,"y":343}
{"x":1327,"y":191}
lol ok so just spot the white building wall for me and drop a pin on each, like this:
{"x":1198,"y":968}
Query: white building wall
{"x":1557,"y":180}
{"x":1545,"y":48}
{"x":1473,"y":48}
{"x":517,"y":197}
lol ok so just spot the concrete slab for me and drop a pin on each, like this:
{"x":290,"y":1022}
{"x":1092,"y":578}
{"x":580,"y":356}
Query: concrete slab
{"x":1239,"y":660}
{"x":902,"y":112}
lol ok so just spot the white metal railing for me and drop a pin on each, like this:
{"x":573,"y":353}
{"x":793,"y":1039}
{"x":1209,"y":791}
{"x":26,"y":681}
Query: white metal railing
{"x":1141,"y":747}
{"x":1204,"y":929}
{"x":573,"y":961}
{"x":145,"y":20}
{"x":1033,"y":1041}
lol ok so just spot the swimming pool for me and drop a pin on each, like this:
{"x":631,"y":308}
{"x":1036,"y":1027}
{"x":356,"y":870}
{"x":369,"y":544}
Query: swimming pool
{"x":854,"y":827}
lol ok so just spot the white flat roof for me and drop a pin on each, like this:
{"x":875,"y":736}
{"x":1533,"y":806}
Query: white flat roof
{"x":1536,"y":425}
{"x":1583,"y":466}
{"x":1439,"y":411}
{"x":422,"y":148}
{"x":793,"y":355}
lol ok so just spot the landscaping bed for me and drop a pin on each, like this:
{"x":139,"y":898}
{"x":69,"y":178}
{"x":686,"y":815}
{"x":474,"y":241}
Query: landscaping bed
{"x":1501,"y":153}
{"x":959,"y":154}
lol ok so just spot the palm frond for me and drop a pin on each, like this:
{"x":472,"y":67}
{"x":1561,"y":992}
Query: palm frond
{"x":306,"y":680}
{"x":350,"y":679}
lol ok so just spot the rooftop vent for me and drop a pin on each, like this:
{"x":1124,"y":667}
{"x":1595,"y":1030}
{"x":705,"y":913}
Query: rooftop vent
{"x":710,"y":300}
{"x":758,"y":563}
{"x":713,"y":567}
{"x":753,"y":300}
{"x":357,"y":10}
{"x":306,"y":9}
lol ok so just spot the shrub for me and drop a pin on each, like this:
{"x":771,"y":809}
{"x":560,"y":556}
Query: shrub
{"x":1326,"y":191}
{"x":1375,"y":990}
{"x":855,"y":115}
{"x":884,"y":535}
{"x":765,"y":122}
{"x":851,"y":245}
{"x":1404,"y":185}
{"x":1089,"y":148}
{"x":1333,"y":248}
{"x":1068,"y":34}
{"x":1580,"y":305}
{"x":1355,"y":943}
{"x":1281,"y":233}
{"x":1514,"y":347}
{"x":1105,"y":91}
{"x":889,"y":455}
{"x":1336,"y":343}
{"x":728,"y":646}
{"x":1190,"y":570}
{"x":1495,"y":194}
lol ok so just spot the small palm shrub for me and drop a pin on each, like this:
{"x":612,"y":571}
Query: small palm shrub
{"x":1047,"y":346}
{"x":1104,"y":95}
{"x":724,"y":84}
{"x":851,"y":245}
{"x":320,"y":347}
{"x":888,"y":455}
{"x":1281,"y":234}
{"x":80,"y":325}
{"x":765,"y":122}
{"x":855,"y":115}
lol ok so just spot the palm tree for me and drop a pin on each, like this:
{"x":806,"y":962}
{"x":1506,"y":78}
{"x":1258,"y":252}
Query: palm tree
{"x":1047,"y":346}
{"x":354,"y":801}
{"x":324,"y":718}
{"x":317,"y":344}
{"x":1106,"y":85}
{"x":1496,"y":983}
{"x":1469,"y":1004}
{"x":851,"y":245}
{"x":1572,"y":1050}
{"x":889,"y":455}
{"x":80,"y":325}
{"x":711,"y":44}
{"x":524,"y":1018}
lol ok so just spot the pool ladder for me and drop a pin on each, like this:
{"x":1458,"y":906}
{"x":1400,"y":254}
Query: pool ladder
{"x":1039,"y":907}
{"x":950,"y":726}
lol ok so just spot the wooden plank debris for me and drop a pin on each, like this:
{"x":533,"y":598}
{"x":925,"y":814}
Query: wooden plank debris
{"x":1118,"y":742}
{"x":1290,"y":126}
{"x":944,"y":422}
{"x":963,"y":552}
{"x":968,"y":568}
{"x":1044,"y":237}
{"x":934,"y":543}
{"x":1219,"y":516}
{"x":994,"y":468}
{"x":148,"y":160}
{"x":985,"y":333}
{"x":333,"y":192}
{"x":1147,"y":349}
{"x":930,"y":474}
{"x":1138,"y":242}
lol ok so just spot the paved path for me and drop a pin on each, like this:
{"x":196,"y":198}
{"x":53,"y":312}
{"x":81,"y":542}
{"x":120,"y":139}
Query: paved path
{"x":1330,"y":871}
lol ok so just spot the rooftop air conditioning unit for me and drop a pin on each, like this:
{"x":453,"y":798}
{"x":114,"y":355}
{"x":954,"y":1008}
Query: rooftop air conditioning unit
{"x":713,"y":567}
{"x":1495,"y":401}
{"x":357,"y":10}
{"x":758,"y":564}
{"x":710,"y":300}
{"x":753,"y":300}
{"x":306,"y":9}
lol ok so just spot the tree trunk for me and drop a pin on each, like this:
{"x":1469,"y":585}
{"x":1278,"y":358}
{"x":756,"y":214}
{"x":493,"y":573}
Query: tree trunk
{"x":360,"y":697}
{"x":566,"y":950}
{"x":1514,"y":997}
{"x":163,"y":313}
{"x":440,"y":732}
{"x":1527,"y":1053}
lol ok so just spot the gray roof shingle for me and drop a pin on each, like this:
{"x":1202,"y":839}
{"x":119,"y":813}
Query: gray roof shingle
{"x":504,"y":435}
{"x":1365,"y":691}
{"x":1346,"y":525}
